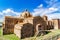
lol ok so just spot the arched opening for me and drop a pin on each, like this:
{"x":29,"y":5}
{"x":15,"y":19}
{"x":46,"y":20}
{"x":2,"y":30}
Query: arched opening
{"x":27,"y":30}
{"x":38,"y":27}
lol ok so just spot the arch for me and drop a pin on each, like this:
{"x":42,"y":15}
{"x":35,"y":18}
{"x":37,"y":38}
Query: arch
{"x":27,"y":30}
{"x":39,"y":27}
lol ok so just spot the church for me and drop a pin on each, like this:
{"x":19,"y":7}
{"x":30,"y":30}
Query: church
{"x":26,"y":25}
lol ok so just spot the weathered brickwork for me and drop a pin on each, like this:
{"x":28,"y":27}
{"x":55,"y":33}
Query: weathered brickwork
{"x":26,"y":25}
{"x":56,"y":23}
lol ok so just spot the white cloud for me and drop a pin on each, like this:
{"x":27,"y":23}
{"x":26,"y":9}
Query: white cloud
{"x":53,"y":6}
{"x":53,"y":9}
{"x":54,"y":16}
{"x":8,"y":12}
{"x":51,"y":2}
{"x":44,"y":11}
{"x":41,"y":5}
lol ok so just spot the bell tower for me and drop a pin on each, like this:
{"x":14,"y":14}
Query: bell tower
{"x":26,"y":14}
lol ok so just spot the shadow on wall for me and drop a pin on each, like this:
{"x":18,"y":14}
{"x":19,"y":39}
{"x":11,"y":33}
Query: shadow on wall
{"x":27,"y":30}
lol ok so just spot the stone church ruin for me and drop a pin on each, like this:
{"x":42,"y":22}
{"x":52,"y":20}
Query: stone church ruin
{"x":26,"y":25}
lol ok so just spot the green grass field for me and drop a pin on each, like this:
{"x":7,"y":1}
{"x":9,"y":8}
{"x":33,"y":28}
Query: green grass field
{"x":8,"y":37}
{"x":0,"y":31}
{"x":1,"y":38}
{"x":14,"y":37}
{"x":53,"y":34}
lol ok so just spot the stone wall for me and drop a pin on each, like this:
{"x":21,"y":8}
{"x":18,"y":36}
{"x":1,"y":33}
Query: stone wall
{"x":50,"y":25}
{"x":39,"y":20}
{"x":55,"y":21}
{"x":26,"y":25}
{"x":59,"y":24}
{"x":17,"y":30}
{"x":28,"y":20}
{"x":26,"y":30}
{"x":8,"y":26}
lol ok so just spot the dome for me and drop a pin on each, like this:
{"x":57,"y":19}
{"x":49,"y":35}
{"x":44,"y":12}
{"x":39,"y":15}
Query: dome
{"x":26,"y":14}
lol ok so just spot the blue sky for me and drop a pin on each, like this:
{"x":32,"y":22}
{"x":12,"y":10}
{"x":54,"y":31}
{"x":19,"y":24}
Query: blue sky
{"x":19,"y":5}
{"x":51,"y":8}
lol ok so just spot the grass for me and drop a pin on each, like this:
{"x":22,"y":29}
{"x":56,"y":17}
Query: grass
{"x":0,"y":31}
{"x":52,"y":34}
{"x":14,"y":37}
{"x":8,"y":37}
